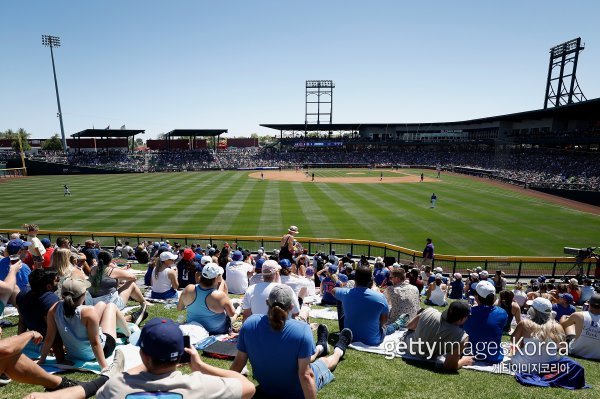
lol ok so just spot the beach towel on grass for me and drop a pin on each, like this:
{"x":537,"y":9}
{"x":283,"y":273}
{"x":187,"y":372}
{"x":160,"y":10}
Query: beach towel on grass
{"x":328,"y":314}
{"x":132,"y":359}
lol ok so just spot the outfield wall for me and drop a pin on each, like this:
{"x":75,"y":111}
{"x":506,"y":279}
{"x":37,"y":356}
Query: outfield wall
{"x":513,"y":266}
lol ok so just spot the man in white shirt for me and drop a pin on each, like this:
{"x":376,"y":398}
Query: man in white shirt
{"x":237,"y":273}
{"x":255,"y":298}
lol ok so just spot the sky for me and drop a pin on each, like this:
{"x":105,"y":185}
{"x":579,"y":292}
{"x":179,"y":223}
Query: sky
{"x":163,"y":65}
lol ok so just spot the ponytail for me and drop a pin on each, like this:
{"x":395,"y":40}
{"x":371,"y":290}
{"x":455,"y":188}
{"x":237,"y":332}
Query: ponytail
{"x":69,"y":304}
{"x":104,"y":258}
{"x":277,"y":317}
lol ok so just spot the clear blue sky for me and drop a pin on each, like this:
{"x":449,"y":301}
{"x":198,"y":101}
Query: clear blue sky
{"x":160,"y":65}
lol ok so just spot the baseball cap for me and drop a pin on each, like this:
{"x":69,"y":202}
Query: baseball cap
{"x":211,"y":270}
{"x":457,"y":276}
{"x":332,"y":268}
{"x":259,"y":264}
{"x":438,"y":270}
{"x":310,"y":271}
{"x":541,"y":279}
{"x":205,"y":259}
{"x":438,"y":276}
{"x":260,"y":251}
{"x":75,"y":286}
{"x":188,"y":254}
{"x":270,"y":267}
{"x":285,"y":263}
{"x":567,"y":297}
{"x":594,"y":300}
{"x":161,"y":339}
{"x":343,"y":278}
{"x":485,"y":288}
{"x":46,"y":243}
{"x":484,"y":273}
{"x":293,"y":229}
{"x":167,"y":255}
{"x":478,"y":269}
{"x":237,"y":256}
{"x":212,"y":251}
{"x":15,"y":246}
{"x":573,"y":281}
{"x":542,"y":305}
{"x":281,"y":295}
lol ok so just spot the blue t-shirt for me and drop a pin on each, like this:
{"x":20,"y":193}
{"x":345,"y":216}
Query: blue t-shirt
{"x":562,"y":311}
{"x":381,"y":275}
{"x":328,"y":285}
{"x":22,"y":275}
{"x":274,"y":354}
{"x":485,"y":327}
{"x":363,"y":309}
{"x":457,"y":289}
{"x":33,"y":309}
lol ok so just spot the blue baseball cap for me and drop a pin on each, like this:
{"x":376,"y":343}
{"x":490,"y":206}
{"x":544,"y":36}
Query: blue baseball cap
{"x":14,"y":246}
{"x":161,"y":339}
{"x":567,"y":297}
{"x":285,"y":263}
{"x":237,"y":256}
{"x":259,"y":264}
{"x":332,"y":269}
{"x":343,"y":278}
{"x":46,"y":242}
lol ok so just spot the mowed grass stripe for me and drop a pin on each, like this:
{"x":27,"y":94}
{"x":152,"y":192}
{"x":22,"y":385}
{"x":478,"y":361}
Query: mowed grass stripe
{"x":319,"y":223}
{"x":375,"y":220}
{"x":346,"y":221}
{"x":117,"y":217}
{"x":152,"y":209}
{"x":270,"y":217}
{"x":230,"y":204}
{"x":185,"y":211}
{"x":250,"y":214}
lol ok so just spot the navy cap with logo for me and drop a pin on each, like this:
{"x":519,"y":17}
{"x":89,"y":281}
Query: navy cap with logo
{"x":161,"y":339}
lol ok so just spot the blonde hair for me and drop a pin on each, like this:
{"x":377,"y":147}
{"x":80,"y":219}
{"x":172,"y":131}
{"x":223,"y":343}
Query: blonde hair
{"x":61,"y":261}
{"x":543,"y":327}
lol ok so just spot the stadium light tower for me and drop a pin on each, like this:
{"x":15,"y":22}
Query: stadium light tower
{"x":54,"y":41}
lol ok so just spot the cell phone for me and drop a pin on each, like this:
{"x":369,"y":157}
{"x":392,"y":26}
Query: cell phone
{"x":185,"y":358}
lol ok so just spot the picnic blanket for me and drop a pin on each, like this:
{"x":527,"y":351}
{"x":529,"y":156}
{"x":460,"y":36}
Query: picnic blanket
{"x":132,"y":359}
{"x":328,"y":314}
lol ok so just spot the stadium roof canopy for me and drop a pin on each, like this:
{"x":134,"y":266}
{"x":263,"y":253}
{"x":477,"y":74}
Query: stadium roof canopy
{"x":195,"y":132}
{"x":583,"y":110}
{"x":100,"y":133}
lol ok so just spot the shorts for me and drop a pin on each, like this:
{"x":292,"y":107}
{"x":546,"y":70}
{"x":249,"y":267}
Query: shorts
{"x":427,"y":262}
{"x":109,"y":345}
{"x":164,"y":295}
{"x":109,"y":298}
{"x":323,"y":375}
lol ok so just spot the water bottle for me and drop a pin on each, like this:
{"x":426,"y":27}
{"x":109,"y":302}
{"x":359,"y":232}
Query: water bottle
{"x":471,"y":300}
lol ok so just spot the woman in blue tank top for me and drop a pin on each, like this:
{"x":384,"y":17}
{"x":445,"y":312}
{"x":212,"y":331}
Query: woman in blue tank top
{"x":207,"y":303}
{"x":87,"y":332}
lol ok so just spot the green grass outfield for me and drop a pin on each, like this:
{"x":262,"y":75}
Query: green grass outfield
{"x":471,"y":217}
